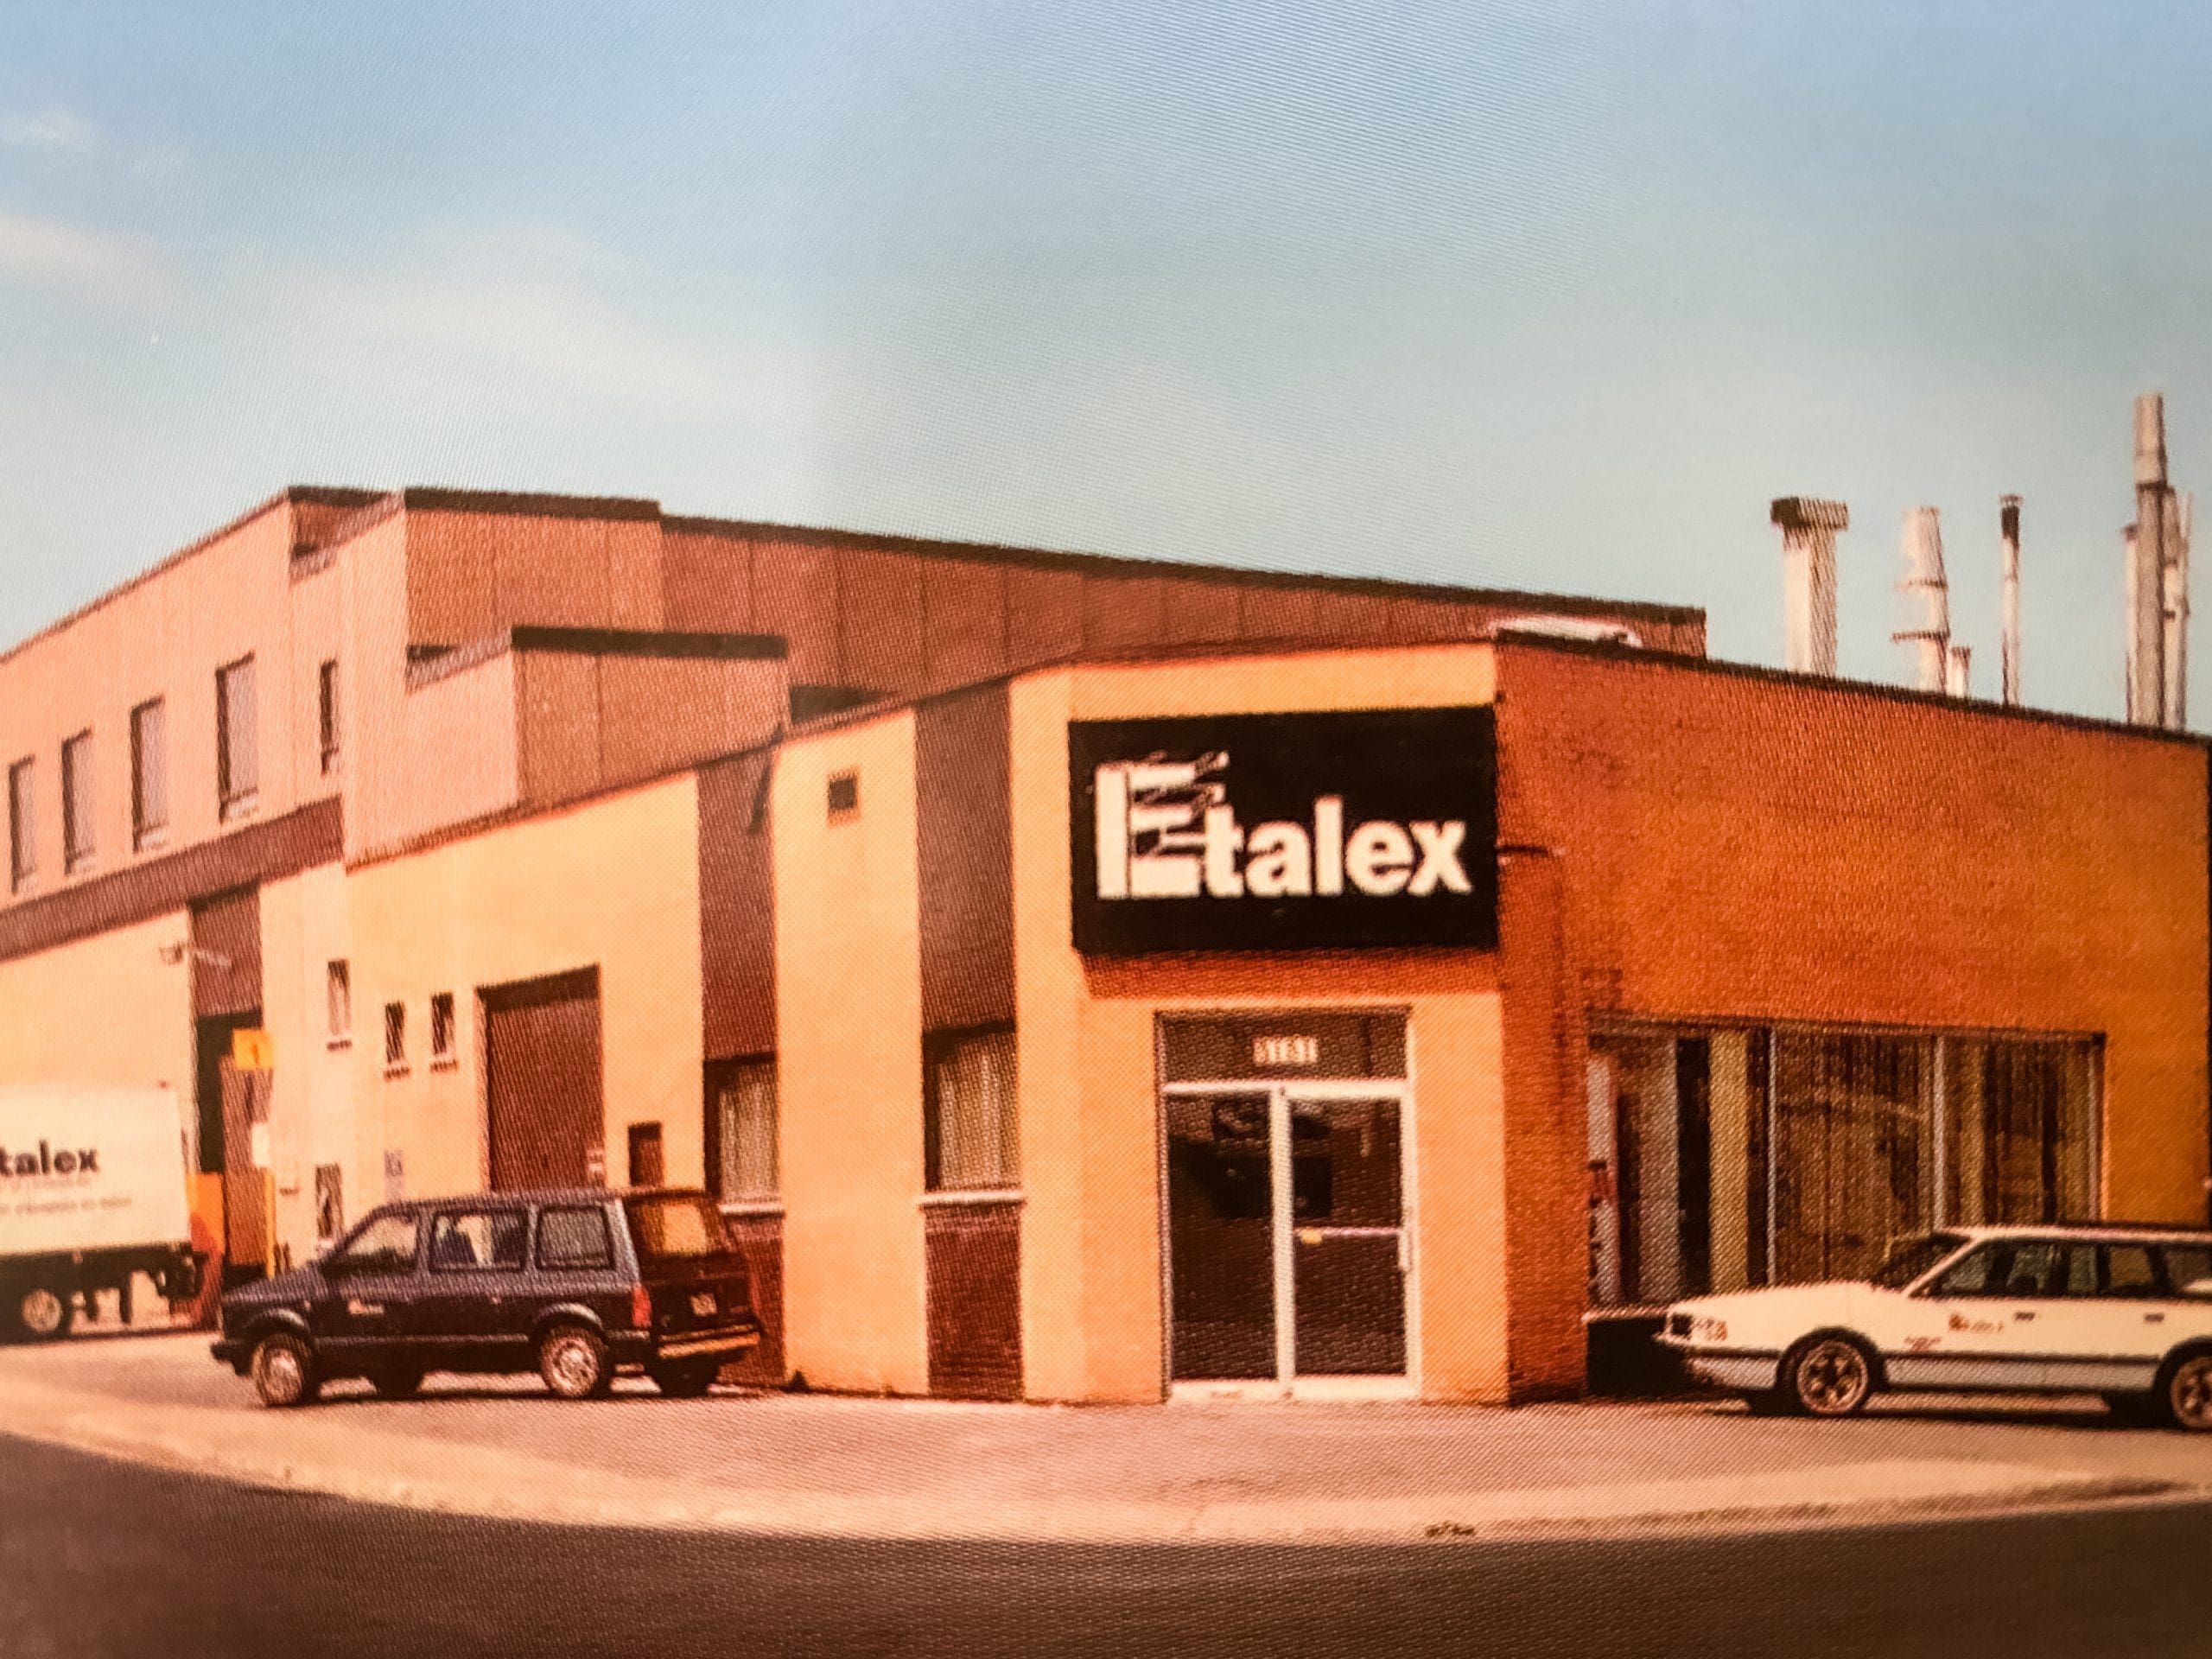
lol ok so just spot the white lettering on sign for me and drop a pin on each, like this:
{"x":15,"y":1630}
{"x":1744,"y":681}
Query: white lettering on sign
{"x":1286,"y":1049}
{"x":1165,"y":830}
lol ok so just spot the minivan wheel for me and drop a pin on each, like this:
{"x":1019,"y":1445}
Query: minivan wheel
{"x":684,"y":1379}
{"x":42,"y":1313}
{"x":2187,"y":1393}
{"x":284,"y":1372}
{"x":1829,"y":1376}
{"x":573,"y":1361}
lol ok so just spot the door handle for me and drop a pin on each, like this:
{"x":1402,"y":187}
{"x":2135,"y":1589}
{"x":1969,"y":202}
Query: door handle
{"x":2024,"y":1313}
{"x":2154,"y":1319}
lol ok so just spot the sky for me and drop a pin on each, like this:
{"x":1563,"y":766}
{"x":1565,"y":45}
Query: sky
{"x":1553,"y":297}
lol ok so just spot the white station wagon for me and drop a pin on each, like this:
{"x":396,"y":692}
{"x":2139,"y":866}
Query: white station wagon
{"x":2125,"y":1312}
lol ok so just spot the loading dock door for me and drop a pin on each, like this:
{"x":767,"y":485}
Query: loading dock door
{"x":543,"y":1092}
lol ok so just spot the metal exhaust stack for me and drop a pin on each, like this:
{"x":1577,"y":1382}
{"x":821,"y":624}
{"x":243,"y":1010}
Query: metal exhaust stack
{"x":1928,"y":600}
{"x":2146,"y":569}
{"x":2174,"y":608}
{"x":2008,"y":531}
{"x":1958,"y":668}
{"x":1809,"y":530}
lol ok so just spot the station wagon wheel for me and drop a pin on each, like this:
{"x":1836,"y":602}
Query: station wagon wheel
{"x":573,"y":1361}
{"x":42,"y":1313}
{"x":2189,"y":1393}
{"x":1831,"y":1376}
{"x":283,"y":1371}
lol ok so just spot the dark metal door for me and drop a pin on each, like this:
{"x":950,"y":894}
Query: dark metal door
{"x":544,"y":1086}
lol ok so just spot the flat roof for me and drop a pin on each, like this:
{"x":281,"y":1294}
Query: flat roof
{"x":371,"y":507}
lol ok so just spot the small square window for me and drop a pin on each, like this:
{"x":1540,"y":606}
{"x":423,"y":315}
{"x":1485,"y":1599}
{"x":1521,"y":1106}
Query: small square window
{"x":338,"y":995}
{"x":441,"y":1027}
{"x":395,"y":1035}
{"x":845,"y":794}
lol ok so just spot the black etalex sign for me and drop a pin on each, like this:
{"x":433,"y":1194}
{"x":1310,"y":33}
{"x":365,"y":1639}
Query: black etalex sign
{"x":1285,"y":832}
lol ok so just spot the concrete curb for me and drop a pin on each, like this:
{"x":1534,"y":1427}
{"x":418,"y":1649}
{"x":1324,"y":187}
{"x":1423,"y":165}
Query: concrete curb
{"x":372,"y":1466}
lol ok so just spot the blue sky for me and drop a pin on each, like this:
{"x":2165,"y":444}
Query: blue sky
{"x":1551,"y":296}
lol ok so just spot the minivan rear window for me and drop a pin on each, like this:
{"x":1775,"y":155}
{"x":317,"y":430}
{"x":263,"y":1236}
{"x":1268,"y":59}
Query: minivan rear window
{"x":676,"y":1228}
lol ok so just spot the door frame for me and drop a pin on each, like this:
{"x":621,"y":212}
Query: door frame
{"x":1287,"y":1383}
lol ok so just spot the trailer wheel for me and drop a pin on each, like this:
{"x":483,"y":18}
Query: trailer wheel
{"x":43,"y":1313}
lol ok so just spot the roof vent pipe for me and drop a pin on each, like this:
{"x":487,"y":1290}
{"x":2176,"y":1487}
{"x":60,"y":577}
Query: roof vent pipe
{"x":1809,"y":529}
{"x":1928,"y":600}
{"x":2008,"y":533}
{"x":1958,"y":669}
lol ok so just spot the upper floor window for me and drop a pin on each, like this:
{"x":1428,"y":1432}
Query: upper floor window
{"x":23,"y":827}
{"x":395,"y":1035}
{"x":338,"y":995}
{"x":325,"y":714}
{"x":237,"y":739}
{"x":77,"y":802}
{"x":149,"y":774}
{"x":845,"y":794}
{"x":441,"y":1027}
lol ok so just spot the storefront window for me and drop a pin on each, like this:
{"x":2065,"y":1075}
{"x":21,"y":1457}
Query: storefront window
{"x":2018,"y":1148}
{"x":971,"y":1121}
{"x":1724,"y":1159}
{"x":1853,"y":1151}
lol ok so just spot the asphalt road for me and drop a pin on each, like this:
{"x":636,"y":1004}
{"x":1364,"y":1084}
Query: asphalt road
{"x":101,"y":1558}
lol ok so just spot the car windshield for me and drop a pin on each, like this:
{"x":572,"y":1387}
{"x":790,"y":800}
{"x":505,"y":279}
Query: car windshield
{"x":1910,"y":1257}
{"x":676,"y":1227}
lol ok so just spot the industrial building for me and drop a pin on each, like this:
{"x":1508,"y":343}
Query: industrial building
{"x":1086,"y":978}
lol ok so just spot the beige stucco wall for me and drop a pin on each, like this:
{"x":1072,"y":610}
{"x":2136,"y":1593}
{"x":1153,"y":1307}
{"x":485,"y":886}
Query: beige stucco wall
{"x":614,"y":883}
{"x":1091,"y":1263}
{"x":848,"y":1016}
{"x":311,"y":1118}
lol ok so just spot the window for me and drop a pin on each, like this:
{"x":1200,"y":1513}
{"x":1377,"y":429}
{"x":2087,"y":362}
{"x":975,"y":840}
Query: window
{"x":2020,"y":1131}
{"x":237,"y":739}
{"x":743,"y":1133}
{"x":968,"y":1128}
{"x":77,"y":802}
{"x":2189,"y":1269}
{"x":463,"y":1241}
{"x":574,"y":1239}
{"x":338,"y":998}
{"x":676,"y":1228}
{"x":2024,"y":1269}
{"x":395,"y":1035}
{"x":329,"y":1201}
{"x":22,"y":827}
{"x":2130,"y":1271}
{"x":385,"y":1242}
{"x":325,"y":714}
{"x":845,"y":794}
{"x":441,"y":1027}
{"x":150,"y":774}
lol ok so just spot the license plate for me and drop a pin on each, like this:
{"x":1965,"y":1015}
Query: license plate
{"x":703,"y":1303}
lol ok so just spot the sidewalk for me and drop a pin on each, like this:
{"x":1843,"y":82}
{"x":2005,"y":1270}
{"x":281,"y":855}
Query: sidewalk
{"x":823,"y":1466}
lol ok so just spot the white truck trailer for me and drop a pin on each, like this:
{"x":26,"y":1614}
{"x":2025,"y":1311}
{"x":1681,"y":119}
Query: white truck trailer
{"x":94,"y":1188}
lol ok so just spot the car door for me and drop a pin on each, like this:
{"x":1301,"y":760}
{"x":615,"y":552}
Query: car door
{"x":366,"y":1310}
{"x":472,"y":1281}
{"x":1980,"y":1324}
{"x":2113,"y":1330}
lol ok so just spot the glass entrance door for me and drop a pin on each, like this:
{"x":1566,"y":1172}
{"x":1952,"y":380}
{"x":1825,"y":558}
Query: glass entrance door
{"x":1287,"y":1246}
